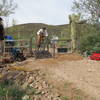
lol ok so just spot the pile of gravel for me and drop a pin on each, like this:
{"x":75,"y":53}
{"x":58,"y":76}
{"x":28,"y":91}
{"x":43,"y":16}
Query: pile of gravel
{"x":35,"y":84}
{"x":42,"y":54}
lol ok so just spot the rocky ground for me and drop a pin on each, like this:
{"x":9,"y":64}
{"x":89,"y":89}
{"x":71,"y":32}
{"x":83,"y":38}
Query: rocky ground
{"x":66,"y":77}
{"x":33,"y":82}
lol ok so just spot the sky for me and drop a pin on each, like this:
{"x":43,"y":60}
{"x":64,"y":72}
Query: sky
{"x":52,"y":12}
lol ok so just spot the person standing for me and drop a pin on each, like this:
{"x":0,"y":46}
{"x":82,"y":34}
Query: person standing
{"x":2,"y":34}
{"x":42,"y":34}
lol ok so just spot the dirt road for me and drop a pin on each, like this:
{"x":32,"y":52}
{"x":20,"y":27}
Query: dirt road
{"x":84,"y":73}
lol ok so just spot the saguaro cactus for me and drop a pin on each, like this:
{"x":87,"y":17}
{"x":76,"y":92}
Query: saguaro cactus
{"x":74,"y":19}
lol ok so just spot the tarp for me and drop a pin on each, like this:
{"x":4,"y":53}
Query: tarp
{"x":95,"y":56}
{"x":8,"y":37}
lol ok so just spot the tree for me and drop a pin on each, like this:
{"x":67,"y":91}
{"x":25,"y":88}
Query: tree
{"x":90,"y":43}
{"x":90,"y":9}
{"x":7,"y":7}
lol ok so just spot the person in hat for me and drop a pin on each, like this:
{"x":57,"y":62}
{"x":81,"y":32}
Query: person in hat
{"x":41,"y":35}
{"x":2,"y":34}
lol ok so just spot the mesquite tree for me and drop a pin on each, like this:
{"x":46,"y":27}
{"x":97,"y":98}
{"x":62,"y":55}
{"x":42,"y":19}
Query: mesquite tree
{"x":7,"y":7}
{"x":90,"y":9}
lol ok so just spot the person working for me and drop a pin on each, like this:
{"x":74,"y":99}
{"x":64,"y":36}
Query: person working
{"x":2,"y":34}
{"x":42,"y":34}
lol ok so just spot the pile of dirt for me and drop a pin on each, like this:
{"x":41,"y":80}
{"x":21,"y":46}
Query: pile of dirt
{"x":33,"y":83}
{"x":60,"y":58}
{"x":42,"y":54}
{"x":69,"y":57}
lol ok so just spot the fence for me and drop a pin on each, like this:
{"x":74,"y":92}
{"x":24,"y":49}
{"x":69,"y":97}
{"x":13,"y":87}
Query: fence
{"x":24,"y":45}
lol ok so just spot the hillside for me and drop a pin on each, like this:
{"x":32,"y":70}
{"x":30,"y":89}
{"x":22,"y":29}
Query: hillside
{"x":27,"y":30}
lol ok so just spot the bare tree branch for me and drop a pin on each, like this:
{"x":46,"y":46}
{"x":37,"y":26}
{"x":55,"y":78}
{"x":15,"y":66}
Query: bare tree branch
{"x":7,"y":7}
{"x":90,"y":9}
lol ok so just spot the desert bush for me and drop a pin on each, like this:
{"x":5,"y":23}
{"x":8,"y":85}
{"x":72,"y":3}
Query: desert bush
{"x":64,"y":98}
{"x":90,"y":43}
{"x":9,"y":91}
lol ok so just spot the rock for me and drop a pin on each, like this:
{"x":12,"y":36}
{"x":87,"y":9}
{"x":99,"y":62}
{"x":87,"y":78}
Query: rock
{"x":36,"y":87}
{"x":31,"y":85}
{"x":56,"y":98}
{"x":40,"y":87}
{"x":57,"y":95}
{"x":45,"y":86}
{"x":30,"y":80}
{"x":24,"y":85}
{"x":37,"y":98}
{"x":90,"y":70}
{"x":50,"y":97}
{"x":51,"y":86}
{"x":38,"y":92}
{"x":43,"y":93}
{"x":26,"y":97}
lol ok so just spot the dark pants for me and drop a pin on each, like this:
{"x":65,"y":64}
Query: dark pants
{"x":1,"y":46}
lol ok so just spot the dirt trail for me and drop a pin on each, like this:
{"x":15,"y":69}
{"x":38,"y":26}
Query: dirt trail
{"x":84,"y":73}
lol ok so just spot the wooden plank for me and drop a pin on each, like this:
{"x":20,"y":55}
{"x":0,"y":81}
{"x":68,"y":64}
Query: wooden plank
{"x":19,"y":46}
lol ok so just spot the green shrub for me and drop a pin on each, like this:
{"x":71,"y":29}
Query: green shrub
{"x":10,"y":91}
{"x":78,"y":98}
{"x":90,"y":43}
{"x":64,"y":98}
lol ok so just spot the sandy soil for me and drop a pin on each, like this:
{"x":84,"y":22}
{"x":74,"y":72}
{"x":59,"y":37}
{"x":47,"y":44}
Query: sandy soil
{"x":84,"y":73}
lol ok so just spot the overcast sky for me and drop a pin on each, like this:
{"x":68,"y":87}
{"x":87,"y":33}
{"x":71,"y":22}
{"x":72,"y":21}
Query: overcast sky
{"x":53,"y":12}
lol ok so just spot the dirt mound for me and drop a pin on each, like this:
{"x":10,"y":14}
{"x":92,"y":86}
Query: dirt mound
{"x":42,"y":54}
{"x":32,"y":84}
{"x":69,"y":57}
{"x":61,"y":58}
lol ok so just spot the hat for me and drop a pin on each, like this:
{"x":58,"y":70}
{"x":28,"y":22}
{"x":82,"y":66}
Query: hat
{"x":44,"y":28}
